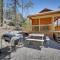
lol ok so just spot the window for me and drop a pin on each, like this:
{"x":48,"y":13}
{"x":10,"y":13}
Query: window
{"x":35,"y":22}
{"x":44,"y":28}
{"x":35,"y":28}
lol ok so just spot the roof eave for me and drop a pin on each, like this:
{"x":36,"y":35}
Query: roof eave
{"x":44,"y":13}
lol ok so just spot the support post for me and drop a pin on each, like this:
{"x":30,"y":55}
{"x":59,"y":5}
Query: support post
{"x":53,"y":26}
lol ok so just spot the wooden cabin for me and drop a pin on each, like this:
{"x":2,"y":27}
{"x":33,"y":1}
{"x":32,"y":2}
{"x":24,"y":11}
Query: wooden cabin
{"x":46,"y":21}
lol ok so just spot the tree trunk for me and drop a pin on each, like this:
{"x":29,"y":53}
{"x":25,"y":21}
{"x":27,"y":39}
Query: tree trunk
{"x":1,"y":12}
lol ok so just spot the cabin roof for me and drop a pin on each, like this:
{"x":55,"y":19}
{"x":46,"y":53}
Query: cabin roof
{"x":45,"y":10}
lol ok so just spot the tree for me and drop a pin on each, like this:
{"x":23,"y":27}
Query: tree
{"x":26,"y":6}
{"x":11,"y":10}
{"x":1,"y":12}
{"x":14,"y":4}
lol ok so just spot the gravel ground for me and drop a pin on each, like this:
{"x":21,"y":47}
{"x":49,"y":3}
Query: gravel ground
{"x":35,"y":54}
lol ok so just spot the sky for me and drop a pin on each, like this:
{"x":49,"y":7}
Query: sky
{"x":39,"y":5}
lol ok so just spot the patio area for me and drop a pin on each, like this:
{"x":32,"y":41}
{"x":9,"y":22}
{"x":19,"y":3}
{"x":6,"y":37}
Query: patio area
{"x":34,"y":54}
{"x":52,"y":52}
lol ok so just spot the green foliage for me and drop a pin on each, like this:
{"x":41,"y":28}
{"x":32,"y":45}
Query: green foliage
{"x":11,"y":24}
{"x":24,"y":23}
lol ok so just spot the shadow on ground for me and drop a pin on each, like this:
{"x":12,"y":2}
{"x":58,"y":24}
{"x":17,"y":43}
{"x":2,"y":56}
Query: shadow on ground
{"x":5,"y":53}
{"x":52,"y":44}
{"x":49,"y":44}
{"x":33,"y":47}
